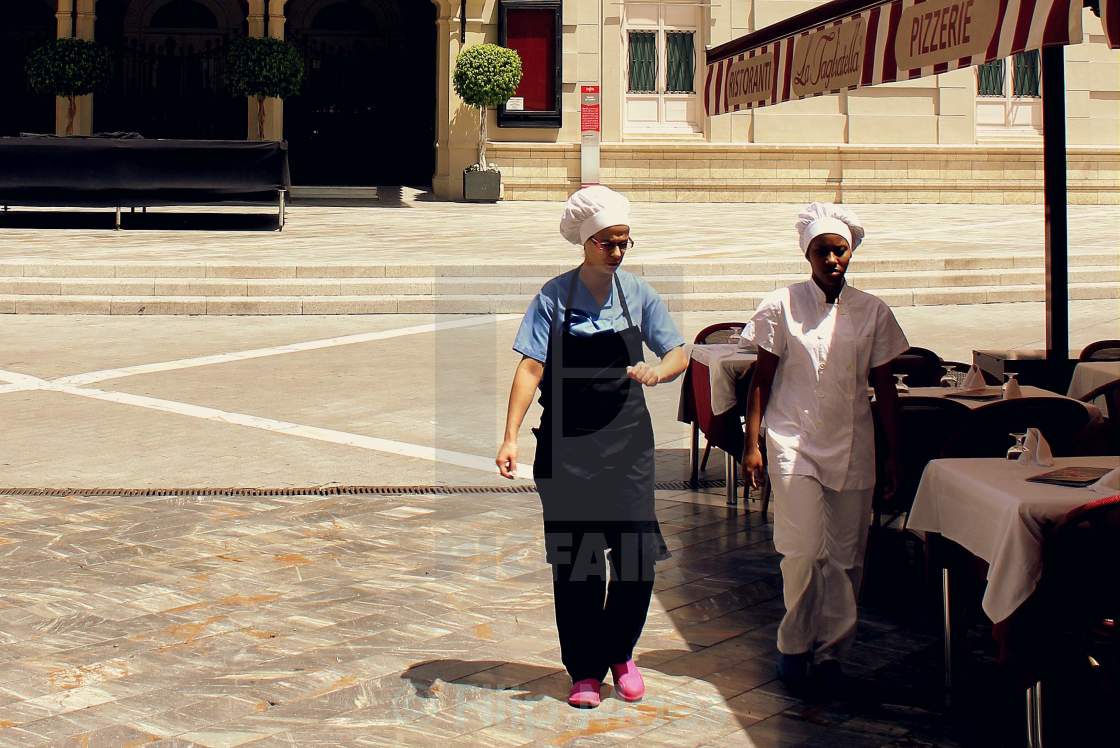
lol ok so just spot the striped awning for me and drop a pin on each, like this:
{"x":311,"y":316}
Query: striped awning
{"x":847,"y":44}
{"x":1110,"y":19}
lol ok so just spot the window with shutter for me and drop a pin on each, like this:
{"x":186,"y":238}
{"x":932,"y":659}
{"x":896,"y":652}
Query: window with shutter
{"x":991,"y":78}
{"x":1025,"y":78}
{"x":681,"y":62}
{"x":643,"y":62}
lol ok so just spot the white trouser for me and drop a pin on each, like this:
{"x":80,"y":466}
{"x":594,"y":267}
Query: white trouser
{"x":822,"y":536}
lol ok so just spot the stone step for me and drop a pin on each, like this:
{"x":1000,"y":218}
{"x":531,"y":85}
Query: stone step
{"x":518,"y":285}
{"x":740,"y":302}
{"x":721,"y":267}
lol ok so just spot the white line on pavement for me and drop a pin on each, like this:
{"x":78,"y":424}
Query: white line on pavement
{"x":403,"y":449}
{"x":310,"y":345}
{"x":22,"y":380}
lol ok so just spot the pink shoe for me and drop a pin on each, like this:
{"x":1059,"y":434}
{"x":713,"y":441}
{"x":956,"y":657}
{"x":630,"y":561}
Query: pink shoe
{"x":628,"y":681}
{"x":585,"y":694}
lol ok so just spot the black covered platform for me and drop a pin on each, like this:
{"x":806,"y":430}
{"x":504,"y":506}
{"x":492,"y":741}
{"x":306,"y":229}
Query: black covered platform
{"x":134,"y":172}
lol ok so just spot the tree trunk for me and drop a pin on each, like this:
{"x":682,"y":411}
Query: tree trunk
{"x":260,"y":118}
{"x":482,"y":139}
{"x":71,"y":110}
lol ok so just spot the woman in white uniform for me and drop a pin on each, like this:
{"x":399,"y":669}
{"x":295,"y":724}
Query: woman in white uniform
{"x":819,"y":342}
{"x":581,"y":345}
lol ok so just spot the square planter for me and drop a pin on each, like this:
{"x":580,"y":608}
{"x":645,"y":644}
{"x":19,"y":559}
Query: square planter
{"x":481,"y":186}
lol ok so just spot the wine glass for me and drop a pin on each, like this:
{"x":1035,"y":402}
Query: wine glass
{"x":1011,"y":385}
{"x":948,"y":380}
{"x":1019,"y":447}
{"x":900,"y":383}
{"x":736,"y":336}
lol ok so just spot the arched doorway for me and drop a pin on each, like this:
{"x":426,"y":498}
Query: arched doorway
{"x":24,"y":26}
{"x":168,"y":66}
{"x":366,"y":115}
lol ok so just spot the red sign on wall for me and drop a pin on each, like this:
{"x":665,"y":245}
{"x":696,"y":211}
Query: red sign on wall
{"x":589,"y":109}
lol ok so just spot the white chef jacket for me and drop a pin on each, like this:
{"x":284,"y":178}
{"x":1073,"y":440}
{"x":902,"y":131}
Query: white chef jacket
{"x":818,"y":419}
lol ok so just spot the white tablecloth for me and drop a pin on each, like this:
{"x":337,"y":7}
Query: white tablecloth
{"x":1088,"y":375}
{"x":987,"y":506}
{"x":726,"y":365}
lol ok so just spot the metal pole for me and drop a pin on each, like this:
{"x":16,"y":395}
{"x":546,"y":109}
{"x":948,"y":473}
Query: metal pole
{"x":732,"y":473}
{"x":947,"y":628}
{"x":1057,"y":208}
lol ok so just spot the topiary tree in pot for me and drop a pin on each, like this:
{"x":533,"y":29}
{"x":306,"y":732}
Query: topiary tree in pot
{"x":486,"y":75}
{"x":69,"y":68}
{"x":261,"y":67}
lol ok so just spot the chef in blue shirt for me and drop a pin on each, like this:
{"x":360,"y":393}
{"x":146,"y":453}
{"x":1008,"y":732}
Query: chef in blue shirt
{"x":581,"y":345}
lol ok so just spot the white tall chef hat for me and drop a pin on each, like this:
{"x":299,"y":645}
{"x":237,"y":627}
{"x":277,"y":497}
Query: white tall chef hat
{"x":827,"y":218}
{"x":592,"y":209}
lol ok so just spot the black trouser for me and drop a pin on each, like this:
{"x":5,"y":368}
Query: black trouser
{"x":595,"y":634}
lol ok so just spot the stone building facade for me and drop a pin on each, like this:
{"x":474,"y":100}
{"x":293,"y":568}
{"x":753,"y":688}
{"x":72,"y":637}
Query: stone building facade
{"x":378,"y":106}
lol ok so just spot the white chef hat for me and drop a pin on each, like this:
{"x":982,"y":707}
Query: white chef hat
{"x":827,"y":218}
{"x":592,"y":209}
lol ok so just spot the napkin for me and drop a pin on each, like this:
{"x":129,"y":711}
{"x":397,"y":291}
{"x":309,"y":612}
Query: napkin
{"x":1038,"y":450}
{"x":1110,"y":483}
{"x":1011,"y":390}
{"x":974,"y":380}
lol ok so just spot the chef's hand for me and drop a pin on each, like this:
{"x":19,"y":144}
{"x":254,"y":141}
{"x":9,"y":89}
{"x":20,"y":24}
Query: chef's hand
{"x":507,"y":460}
{"x":892,"y":474}
{"x":752,"y":466}
{"x":643,"y":373}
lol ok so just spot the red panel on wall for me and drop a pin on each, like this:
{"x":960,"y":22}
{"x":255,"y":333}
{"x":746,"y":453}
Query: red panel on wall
{"x":532,"y":33}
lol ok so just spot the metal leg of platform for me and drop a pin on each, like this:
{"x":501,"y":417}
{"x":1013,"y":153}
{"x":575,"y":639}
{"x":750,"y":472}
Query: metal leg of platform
{"x":280,"y":202}
{"x":694,"y":456}
{"x":947,"y":628}
{"x":732,"y":471}
{"x":117,"y":219}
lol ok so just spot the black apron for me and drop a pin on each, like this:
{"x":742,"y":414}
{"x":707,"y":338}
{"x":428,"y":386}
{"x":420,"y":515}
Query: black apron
{"x":594,"y":466}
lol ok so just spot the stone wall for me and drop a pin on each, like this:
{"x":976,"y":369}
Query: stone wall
{"x":701,"y":172}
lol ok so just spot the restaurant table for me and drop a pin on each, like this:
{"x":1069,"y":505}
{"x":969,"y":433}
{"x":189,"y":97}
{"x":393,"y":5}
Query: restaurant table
{"x":1088,"y":375}
{"x":1030,"y":365}
{"x":989,"y":508}
{"x":712,"y":401}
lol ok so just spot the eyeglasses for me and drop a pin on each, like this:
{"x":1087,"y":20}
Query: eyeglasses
{"x":608,"y":246}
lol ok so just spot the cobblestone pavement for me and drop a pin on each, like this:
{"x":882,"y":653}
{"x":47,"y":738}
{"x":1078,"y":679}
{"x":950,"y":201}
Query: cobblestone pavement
{"x":432,"y":233}
{"x":381,"y":620}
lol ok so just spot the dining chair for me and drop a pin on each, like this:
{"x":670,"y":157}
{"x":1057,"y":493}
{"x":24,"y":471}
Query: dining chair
{"x":926,"y":425}
{"x":921,"y":366}
{"x":1101,"y":350}
{"x":718,"y":333}
{"x":1075,"y":611}
{"x":1103,"y":437}
{"x":985,"y":432}
{"x":1110,"y":391}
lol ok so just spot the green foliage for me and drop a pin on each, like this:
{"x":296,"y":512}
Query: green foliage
{"x":486,"y":75}
{"x":263,"y":67}
{"x":68,"y":67}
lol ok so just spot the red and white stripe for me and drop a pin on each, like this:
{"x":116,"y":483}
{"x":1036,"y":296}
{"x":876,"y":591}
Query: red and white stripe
{"x":1110,"y":19}
{"x":1021,"y":25}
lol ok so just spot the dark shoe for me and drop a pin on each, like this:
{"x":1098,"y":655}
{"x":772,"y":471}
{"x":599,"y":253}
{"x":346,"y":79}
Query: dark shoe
{"x":793,"y":670}
{"x":828,"y":678}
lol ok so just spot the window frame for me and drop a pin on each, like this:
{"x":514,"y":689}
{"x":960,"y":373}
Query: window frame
{"x":662,"y":96}
{"x":550,"y":118}
{"x":1010,"y":78}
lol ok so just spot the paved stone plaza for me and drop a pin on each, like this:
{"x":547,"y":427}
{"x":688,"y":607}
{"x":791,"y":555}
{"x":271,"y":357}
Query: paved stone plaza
{"x":408,"y":620}
{"x":420,"y":232}
{"x":393,"y":618}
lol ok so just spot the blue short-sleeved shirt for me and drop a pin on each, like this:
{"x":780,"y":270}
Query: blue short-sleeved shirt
{"x":646,"y":309}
